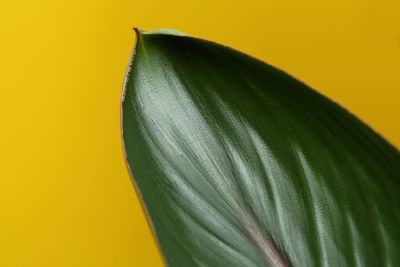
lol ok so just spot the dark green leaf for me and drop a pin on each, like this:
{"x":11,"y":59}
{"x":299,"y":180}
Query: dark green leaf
{"x":240,"y":164}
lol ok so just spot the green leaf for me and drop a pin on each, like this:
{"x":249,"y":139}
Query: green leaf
{"x":240,"y":164}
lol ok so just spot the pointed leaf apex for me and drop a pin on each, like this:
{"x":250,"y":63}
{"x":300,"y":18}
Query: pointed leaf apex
{"x":159,"y":32}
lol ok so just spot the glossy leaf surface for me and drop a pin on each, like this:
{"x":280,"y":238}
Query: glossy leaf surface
{"x":240,"y":164}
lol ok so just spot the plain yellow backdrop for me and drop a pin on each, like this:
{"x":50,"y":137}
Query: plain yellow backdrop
{"x":65,"y":194}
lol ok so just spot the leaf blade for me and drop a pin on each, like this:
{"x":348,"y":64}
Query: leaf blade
{"x":227,"y":151}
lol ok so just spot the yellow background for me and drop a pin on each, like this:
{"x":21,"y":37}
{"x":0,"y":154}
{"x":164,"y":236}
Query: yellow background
{"x":65,"y":194}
